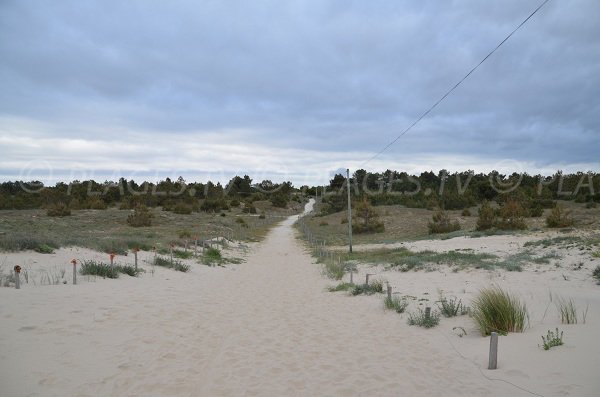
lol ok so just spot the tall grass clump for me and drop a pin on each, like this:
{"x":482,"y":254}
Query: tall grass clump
{"x":495,"y":310}
{"x":141,"y":216}
{"x":596,"y":274}
{"x":395,"y":303}
{"x":334,"y":270}
{"x":567,"y":310}
{"x":94,"y":268}
{"x":58,"y":209}
{"x":341,"y":287}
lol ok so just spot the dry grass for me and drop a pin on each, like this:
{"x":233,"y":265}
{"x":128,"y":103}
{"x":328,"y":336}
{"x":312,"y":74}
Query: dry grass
{"x":411,"y":223}
{"x":107,"y":230}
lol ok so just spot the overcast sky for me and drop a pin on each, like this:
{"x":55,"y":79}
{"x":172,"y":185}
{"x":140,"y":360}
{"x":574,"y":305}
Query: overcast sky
{"x":294,"y":89}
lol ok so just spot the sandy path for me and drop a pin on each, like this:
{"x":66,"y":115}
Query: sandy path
{"x":263,"y":328}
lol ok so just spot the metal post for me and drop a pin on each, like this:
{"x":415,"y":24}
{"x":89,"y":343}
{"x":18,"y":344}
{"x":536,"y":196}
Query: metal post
{"x":349,"y":211}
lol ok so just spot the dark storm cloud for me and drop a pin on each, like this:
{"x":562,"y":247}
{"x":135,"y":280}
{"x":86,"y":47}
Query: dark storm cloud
{"x":343,"y":77}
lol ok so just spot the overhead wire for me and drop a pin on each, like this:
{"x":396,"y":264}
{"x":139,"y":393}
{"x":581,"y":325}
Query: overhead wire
{"x":455,"y":86}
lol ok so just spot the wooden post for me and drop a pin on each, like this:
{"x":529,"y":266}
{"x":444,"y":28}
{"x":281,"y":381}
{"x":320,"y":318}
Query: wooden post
{"x":74,"y":262}
{"x":17,"y":270}
{"x":493,"y":362}
{"x":367,"y":279}
{"x":389,"y":291}
{"x":427,"y":312}
{"x":135,"y":251}
{"x":171,"y":252}
{"x":349,"y":211}
{"x":112,"y":259}
{"x":351,"y":281}
{"x":195,"y":245}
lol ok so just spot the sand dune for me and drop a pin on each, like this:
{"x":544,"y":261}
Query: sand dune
{"x":267,"y":327}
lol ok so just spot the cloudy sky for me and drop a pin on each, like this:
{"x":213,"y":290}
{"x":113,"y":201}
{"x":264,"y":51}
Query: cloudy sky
{"x":294,"y":90}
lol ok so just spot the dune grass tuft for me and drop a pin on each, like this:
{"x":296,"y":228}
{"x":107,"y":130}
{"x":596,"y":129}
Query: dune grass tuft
{"x":495,"y":310}
{"x":395,"y":303}
{"x":175,"y":264}
{"x":421,"y":319}
{"x":567,"y":310}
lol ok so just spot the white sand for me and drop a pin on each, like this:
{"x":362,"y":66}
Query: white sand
{"x":268,"y":328}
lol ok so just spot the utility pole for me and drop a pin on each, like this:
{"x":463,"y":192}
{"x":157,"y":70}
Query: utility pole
{"x":349,"y":210}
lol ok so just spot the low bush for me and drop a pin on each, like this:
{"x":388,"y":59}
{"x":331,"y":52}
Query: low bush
{"x":333,"y":269}
{"x":495,"y":310}
{"x":487,"y":217}
{"x":376,"y":286}
{"x":552,"y":339}
{"x":59,"y":209}
{"x":559,"y":217}
{"x":421,"y":319}
{"x":441,"y":223}
{"x":341,"y":287}
{"x":141,"y":216}
{"x":323,"y":223}
{"x":465,"y":212}
{"x":44,"y":249}
{"x":596,"y":274}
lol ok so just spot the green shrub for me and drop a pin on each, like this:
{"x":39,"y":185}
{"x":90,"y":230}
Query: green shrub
{"x":559,"y":217}
{"x":249,"y":208}
{"x":395,"y":303}
{"x":596,"y":274}
{"x":58,"y":209}
{"x":212,"y":256}
{"x":182,"y":254}
{"x":341,"y":287}
{"x":591,"y":205}
{"x":96,"y":203}
{"x":241,"y":221}
{"x":465,"y":212}
{"x":441,"y":223}
{"x":495,"y":310}
{"x":44,"y":249}
{"x":141,"y":216}
{"x":420,"y":318}
{"x":93,"y":268}
{"x":487,"y":217}
{"x":512,"y":216}
{"x":262,"y":216}
{"x":367,"y":219}
{"x":552,"y":339}
{"x":234,"y":203}
{"x":536,"y":210}
{"x":171,"y":264}
{"x":323,"y":223}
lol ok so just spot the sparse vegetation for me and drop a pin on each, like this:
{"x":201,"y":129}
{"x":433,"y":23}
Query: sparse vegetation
{"x":552,"y":339}
{"x":495,"y":310}
{"x":174,"y":264}
{"x":334,"y":269}
{"x":105,"y":270}
{"x":567,"y":310}
{"x":376,"y":286}
{"x":452,"y":307}
{"x":487,"y":216}
{"x":421,"y":319}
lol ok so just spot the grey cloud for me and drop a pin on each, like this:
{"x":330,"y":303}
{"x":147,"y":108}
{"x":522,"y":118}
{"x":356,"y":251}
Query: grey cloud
{"x":317,"y":75}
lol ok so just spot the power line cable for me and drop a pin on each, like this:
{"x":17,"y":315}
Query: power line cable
{"x":455,"y":85}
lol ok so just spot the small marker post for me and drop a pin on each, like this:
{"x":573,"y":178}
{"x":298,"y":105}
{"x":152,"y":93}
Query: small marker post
{"x":74,"y":262}
{"x":17,"y":270}
{"x":112,"y":258}
{"x":493,"y":361}
{"x":135,"y":251}
{"x":389,"y":291}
